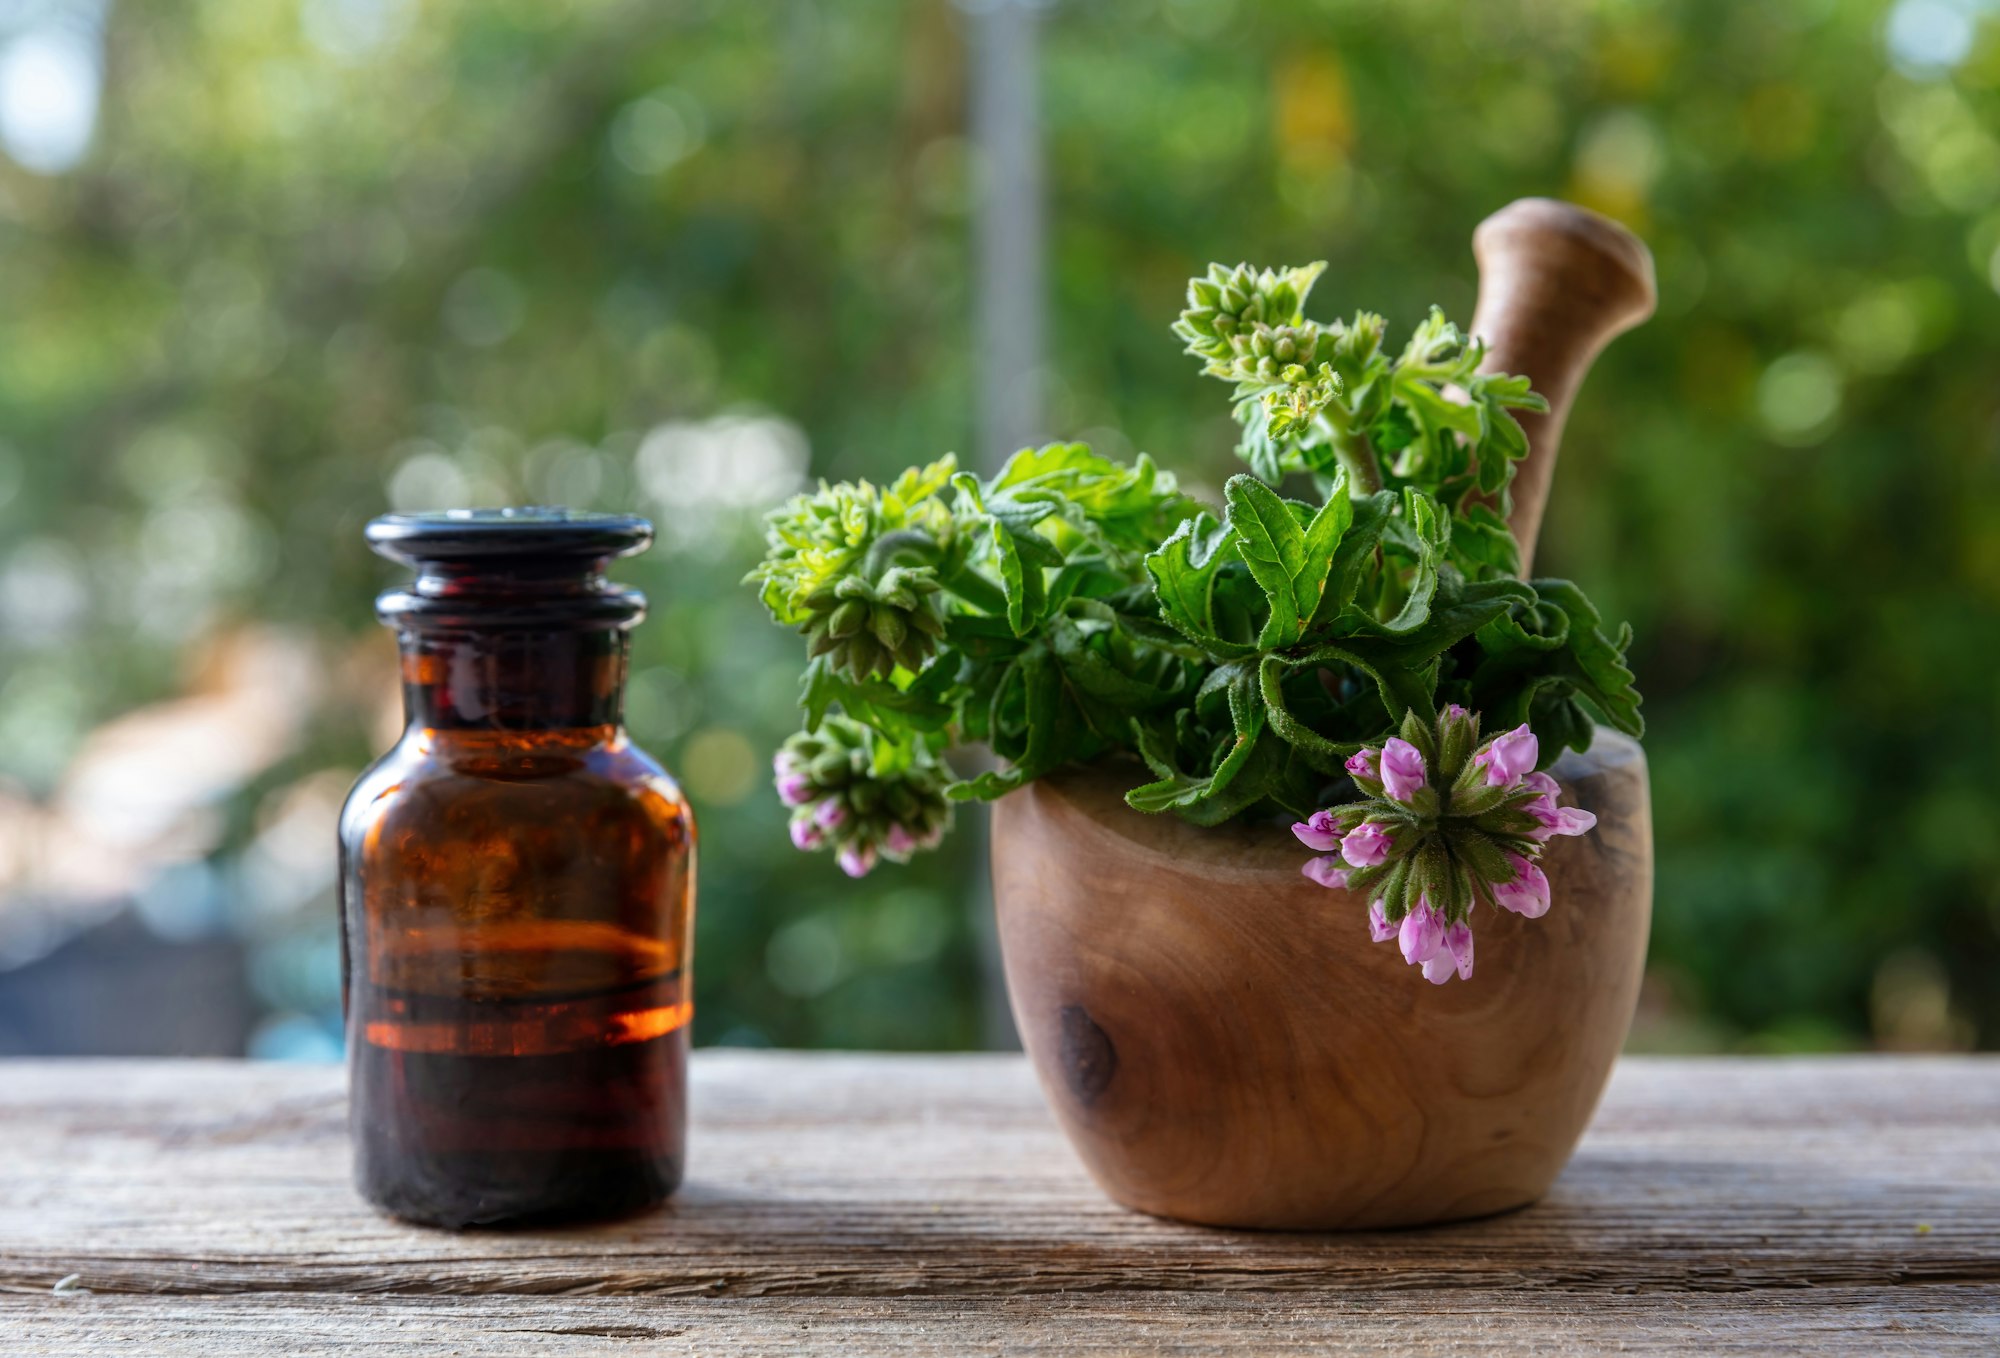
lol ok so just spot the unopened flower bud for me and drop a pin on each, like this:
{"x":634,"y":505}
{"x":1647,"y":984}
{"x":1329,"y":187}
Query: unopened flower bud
{"x":1528,"y":893}
{"x":1422,"y":933}
{"x":1326,"y":870}
{"x":1318,"y":832}
{"x":1402,"y":768}
{"x":1509,"y":757}
{"x":1366,"y":845}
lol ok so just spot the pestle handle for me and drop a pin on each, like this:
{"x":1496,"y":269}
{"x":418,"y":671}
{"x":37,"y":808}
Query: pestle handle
{"x":1556,"y":284}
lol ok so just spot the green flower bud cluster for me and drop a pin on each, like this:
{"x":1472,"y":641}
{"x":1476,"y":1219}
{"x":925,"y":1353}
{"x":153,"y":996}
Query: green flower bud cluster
{"x":861,"y":796}
{"x":1248,"y":324}
{"x":869,"y":627}
{"x":853,"y":567}
{"x":813,"y":539}
{"x":1300,"y":399}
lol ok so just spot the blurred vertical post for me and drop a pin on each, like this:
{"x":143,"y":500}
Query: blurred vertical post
{"x":1008,"y":228}
{"x":1010,"y":279}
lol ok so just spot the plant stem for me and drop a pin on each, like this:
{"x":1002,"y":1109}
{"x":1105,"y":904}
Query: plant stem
{"x":1357,"y":457}
{"x":912,"y":542}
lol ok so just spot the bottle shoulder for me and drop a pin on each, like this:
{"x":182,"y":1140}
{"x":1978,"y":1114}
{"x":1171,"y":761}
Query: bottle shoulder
{"x":445,"y":780}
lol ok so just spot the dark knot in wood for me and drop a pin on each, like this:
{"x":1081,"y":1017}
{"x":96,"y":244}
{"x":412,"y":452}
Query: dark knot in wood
{"x":1089,"y":1059}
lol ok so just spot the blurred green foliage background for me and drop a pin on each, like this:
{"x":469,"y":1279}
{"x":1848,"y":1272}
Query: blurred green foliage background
{"x":320,"y":260}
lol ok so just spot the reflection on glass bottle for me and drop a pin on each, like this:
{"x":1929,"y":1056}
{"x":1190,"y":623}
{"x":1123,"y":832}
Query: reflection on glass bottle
{"x":517,"y":890}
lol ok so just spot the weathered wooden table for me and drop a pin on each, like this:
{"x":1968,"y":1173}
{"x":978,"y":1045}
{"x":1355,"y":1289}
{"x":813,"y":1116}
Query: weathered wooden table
{"x":874,"y":1204}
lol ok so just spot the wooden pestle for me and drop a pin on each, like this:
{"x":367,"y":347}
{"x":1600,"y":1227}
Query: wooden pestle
{"x":1556,"y":284}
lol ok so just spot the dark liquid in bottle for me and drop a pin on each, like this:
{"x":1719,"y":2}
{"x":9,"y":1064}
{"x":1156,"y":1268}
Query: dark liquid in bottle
{"x":474,"y":1109}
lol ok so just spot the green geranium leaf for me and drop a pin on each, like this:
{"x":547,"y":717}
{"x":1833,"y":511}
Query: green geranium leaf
{"x":1186,"y":570}
{"x":1325,"y":756}
{"x":1291,"y":560}
{"x":1549,"y":662}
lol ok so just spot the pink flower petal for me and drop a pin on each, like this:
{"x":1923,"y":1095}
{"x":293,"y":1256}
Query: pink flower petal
{"x":1402,"y":769}
{"x":1511,"y":756}
{"x":1422,"y":934}
{"x":1318,"y":832}
{"x":1574,"y":820}
{"x":1326,"y":870}
{"x":1458,"y":943}
{"x":1528,"y":894}
{"x":1366,"y":845}
{"x":1379,"y":928}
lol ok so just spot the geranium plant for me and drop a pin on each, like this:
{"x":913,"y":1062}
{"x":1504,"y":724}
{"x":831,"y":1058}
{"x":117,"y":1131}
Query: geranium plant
{"x":1267,"y":661}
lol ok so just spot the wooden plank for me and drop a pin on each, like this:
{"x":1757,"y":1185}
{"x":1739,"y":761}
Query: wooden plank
{"x":1949,"y":1319}
{"x":1816,"y":1203}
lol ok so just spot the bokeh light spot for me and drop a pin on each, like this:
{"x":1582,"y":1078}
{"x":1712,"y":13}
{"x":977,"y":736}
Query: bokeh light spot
{"x":1926,"y":37}
{"x":49,"y":83}
{"x":1879,"y":329}
{"x":427,"y":479}
{"x":719,"y":766}
{"x":705,"y":476}
{"x":1617,"y":163}
{"x":1798,"y":398}
{"x":352,"y":30}
{"x":652,"y":135}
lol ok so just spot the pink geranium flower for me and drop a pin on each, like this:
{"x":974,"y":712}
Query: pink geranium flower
{"x":1528,"y":894}
{"x":1422,"y":933}
{"x":1318,"y":832}
{"x":1559,"y":820}
{"x":1326,"y":870}
{"x":1510,"y":757}
{"x":1402,"y":769}
{"x":1366,"y":845}
{"x":1401,"y":813}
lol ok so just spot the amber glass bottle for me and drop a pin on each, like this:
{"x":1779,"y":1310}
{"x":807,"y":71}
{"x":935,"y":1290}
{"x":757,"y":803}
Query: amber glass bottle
{"x":517,"y":890}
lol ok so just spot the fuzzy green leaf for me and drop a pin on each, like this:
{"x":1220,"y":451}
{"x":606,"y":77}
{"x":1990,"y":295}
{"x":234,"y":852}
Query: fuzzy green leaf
{"x":1322,"y":754}
{"x":1185,"y":571}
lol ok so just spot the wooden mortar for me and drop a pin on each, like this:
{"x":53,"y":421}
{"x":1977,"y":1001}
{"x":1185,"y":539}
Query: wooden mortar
{"x":1224,"y":1044}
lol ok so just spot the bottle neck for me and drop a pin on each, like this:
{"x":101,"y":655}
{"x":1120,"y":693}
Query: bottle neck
{"x":514,"y":680}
